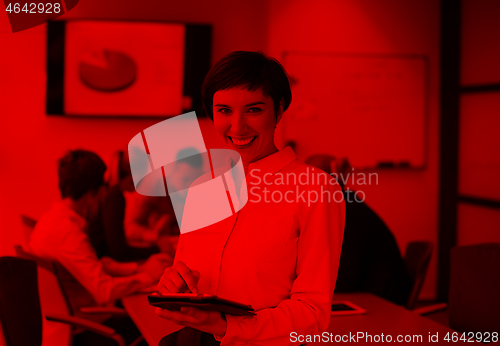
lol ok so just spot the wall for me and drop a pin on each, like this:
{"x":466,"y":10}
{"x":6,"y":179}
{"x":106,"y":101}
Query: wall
{"x":406,"y":200}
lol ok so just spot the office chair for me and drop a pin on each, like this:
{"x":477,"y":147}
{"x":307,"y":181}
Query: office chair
{"x":474,"y":300}
{"x":55,"y":299}
{"x":20,"y":310}
{"x":417,"y":257}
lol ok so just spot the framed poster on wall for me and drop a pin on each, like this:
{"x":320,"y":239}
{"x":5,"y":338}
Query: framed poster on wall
{"x":125,"y":68}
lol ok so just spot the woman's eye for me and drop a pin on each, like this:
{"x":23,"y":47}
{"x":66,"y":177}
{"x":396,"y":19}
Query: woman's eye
{"x":224,"y":110}
{"x":254,"y":110}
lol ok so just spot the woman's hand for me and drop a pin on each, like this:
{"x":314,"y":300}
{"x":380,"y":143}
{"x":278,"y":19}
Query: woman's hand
{"x":210,"y":322}
{"x":179,"y":279}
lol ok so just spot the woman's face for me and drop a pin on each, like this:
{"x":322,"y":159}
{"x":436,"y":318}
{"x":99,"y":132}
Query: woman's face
{"x":245,"y":121}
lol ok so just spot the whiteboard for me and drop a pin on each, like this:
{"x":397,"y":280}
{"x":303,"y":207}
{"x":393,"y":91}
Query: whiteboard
{"x":370,"y":108}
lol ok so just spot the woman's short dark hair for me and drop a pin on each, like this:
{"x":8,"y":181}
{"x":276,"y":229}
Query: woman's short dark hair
{"x":80,"y":171}
{"x":251,"y":69}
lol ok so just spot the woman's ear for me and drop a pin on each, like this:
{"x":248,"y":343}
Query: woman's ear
{"x":280,"y":111}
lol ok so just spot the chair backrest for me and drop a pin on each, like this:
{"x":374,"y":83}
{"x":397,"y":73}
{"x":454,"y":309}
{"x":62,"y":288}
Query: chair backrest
{"x":53,"y":299}
{"x":51,"y":282}
{"x":20,"y":312}
{"x":417,"y":257}
{"x":474,"y":296}
{"x":60,"y":292}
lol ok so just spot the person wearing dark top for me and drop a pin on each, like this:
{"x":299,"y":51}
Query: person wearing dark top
{"x":106,"y":231}
{"x":370,"y":260}
{"x":113,"y":214}
{"x":96,"y":233}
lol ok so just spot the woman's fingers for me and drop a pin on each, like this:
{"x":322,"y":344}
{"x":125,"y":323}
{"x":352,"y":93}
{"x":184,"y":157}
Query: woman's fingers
{"x":180,"y":282}
{"x":172,"y":282}
{"x":173,"y":287}
{"x":176,"y":316}
{"x":196,"y":275}
{"x":187,"y":276}
{"x":179,"y":279}
{"x":186,"y":316}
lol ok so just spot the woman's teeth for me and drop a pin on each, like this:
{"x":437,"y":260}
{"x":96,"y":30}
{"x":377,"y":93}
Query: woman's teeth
{"x":241,"y":141}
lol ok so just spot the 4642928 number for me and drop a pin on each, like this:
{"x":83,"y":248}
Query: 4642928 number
{"x":34,"y":8}
{"x":485,"y":337}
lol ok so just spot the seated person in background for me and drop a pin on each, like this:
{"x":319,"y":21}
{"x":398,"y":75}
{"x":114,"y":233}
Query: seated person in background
{"x":152,"y":220}
{"x":112,"y":214}
{"x":61,"y":235}
{"x":370,"y":259}
{"x":148,"y":218}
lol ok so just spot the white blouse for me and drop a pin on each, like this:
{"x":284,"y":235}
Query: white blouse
{"x":280,"y":253}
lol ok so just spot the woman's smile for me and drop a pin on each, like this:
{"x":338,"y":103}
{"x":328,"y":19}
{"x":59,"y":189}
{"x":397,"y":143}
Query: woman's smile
{"x":242,"y":142}
{"x":245,"y":120}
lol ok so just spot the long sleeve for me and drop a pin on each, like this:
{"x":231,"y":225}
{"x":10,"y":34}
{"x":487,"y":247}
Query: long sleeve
{"x":59,"y":236}
{"x":280,"y":253}
{"x":307,"y":311}
{"x":76,"y":254}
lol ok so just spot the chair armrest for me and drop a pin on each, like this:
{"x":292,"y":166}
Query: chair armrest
{"x":88,"y":325}
{"x":104,"y":310}
{"x":430,"y":308}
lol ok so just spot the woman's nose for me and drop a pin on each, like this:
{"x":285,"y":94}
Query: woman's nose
{"x":238,"y":123}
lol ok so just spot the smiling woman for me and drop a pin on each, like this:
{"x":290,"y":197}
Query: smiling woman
{"x":282,"y":256}
{"x":245,"y":94}
{"x":245,"y":121}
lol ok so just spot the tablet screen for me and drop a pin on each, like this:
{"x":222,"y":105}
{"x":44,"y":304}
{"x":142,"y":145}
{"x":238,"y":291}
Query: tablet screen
{"x":341,"y":307}
{"x":346,"y":308}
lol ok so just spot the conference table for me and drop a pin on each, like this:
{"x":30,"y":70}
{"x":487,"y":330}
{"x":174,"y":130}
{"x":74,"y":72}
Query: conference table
{"x":383,"y":322}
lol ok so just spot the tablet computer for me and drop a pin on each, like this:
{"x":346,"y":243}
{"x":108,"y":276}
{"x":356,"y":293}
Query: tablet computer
{"x":345,"y":307}
{"x":174,"y":301}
